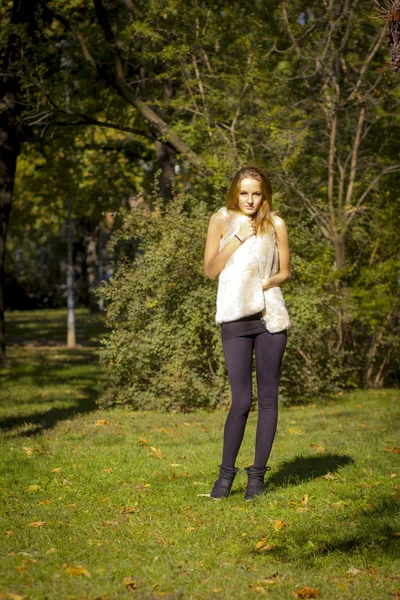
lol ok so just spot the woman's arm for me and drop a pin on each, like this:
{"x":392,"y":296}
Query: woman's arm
{"x":282,"y":242}
{"x":214,"y":260}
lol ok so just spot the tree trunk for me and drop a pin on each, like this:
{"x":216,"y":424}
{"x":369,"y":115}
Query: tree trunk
{"x":340,"y":251}
{"x":10,"y":143}
{"x":165,"y":159}
{"x":10,"y":136}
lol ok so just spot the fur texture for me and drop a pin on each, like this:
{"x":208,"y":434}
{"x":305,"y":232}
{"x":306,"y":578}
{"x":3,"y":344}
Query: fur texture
{"x":240,"y":291}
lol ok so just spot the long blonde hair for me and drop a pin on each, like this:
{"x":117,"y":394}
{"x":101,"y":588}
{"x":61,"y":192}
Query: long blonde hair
{"x":263,"y":219}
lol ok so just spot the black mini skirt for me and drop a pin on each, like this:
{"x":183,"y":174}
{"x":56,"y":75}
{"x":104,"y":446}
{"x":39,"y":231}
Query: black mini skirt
{"x":244,"y":326}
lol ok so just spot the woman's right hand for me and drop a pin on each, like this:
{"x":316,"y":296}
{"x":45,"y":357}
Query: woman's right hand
{"x":247,"y":229}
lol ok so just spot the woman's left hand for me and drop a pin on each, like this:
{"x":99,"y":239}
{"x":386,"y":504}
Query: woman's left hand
{"x":266,"y":284}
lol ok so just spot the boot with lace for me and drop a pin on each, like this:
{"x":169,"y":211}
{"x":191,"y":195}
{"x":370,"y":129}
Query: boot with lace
{"x":223,"y":484}
{"x":255,"y":482}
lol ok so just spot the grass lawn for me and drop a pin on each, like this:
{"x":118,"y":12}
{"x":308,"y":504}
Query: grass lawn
{"x":112,"y":505}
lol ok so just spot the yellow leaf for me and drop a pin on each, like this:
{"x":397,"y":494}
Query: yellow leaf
{"x":37,"y":523}
{"x":257,"y":588}
{"x":107,"y":470}
{"x":328,"y":476}
{"x":46,"y":502}
{"x":29,"y":451}
{"x":267,"y":547}
{"x":129,"y":509}
{"x":104,"y":499}
{"x":51,"y":551}
{"x":77,"y":571}
{"x":175,"y":465}
{"x":392,"y":449}
{"x":9,"y":532}
{"x":261,"y":543}
{"x":279,"y":524}
{"x":101,"y":422}
{"x":393,"y":475}
{"x":307,"y":592}
{"x":130,"y":583}
{"x":56,"y":470}
{"x":14,"y":596}
{"x":143,"y":441}
{"x":33,"y":488}
{"x":304,"y":499}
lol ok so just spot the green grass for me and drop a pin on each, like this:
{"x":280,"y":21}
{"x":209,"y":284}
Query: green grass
{"x":73,"y":467}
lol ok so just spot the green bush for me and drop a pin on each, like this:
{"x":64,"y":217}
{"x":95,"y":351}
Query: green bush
{"x":164,"y":349}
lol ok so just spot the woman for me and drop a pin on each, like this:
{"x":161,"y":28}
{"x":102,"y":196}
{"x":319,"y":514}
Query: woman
{"x":247,"y":246}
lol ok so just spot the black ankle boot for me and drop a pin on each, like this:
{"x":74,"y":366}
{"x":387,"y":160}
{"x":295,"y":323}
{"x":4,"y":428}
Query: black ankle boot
{"x":255,"y":483}
{"x":223,"y":484}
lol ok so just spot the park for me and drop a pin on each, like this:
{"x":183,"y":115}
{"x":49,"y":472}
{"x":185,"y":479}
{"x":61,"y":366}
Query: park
{"x":122,"y":124}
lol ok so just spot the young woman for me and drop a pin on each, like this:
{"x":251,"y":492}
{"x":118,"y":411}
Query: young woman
{"x":247,"y":246}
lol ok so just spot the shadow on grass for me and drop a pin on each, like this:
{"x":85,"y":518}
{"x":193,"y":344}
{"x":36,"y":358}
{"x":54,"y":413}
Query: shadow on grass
{"x":302,"y":468}
{"x":47,"y":420}
{"x":305,"y":468}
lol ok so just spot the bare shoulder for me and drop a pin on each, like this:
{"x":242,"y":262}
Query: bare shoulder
{"x":218,"y":222}
{"x":279,"y":223}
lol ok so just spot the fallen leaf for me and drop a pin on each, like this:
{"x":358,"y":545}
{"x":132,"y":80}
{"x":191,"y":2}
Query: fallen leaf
{"x":319,"y":447}
{"x":130,"y":583}
{"x":272,"y":579}
{"x":46,"y":502}
{"x":279,"y":524}
{"x":51,"y":551}
{"x":175,"y":465}
{"x":29,"y":451}
{"x":104,"y":499}
{"x":33,"y":488}
{"x":392,"y":449}
{"x":257,"y":588}
{"x":78,"y":571}
{"x":328,"y":476}
{"x":129,"y":509}
{"x":37,"y":523}
{"x":143,"y":441}
{"x":9,"y":532}
{"x":157,"y":452}
{"x":304,"y":499}
{"x":107,"y":470}
{"x":14,"y":596}
{"x":263,"y":546}
{"x":101,"y":422}
{"x":21,"y":569}
{"x":393,"y":475}
{"x":353,"y":571}
{"x":56,"y":470}
{"x":306,"y":592}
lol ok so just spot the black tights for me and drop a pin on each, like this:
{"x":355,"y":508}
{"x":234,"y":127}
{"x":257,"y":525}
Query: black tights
{"x":238,"y":351}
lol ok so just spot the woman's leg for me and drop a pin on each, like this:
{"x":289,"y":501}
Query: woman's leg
{"x":238,"y":356}
{"x":269,"y":348}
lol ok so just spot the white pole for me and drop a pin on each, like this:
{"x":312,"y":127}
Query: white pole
{"x":71,"y":340}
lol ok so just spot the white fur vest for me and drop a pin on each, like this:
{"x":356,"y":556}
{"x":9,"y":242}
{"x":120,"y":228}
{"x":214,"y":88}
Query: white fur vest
{"x":240,"y":291}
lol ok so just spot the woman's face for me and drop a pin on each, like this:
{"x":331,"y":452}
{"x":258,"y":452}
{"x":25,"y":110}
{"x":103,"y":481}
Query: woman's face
{"x":250,"y":196}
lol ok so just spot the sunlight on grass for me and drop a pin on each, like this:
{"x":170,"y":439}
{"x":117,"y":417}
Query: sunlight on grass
{"x":109,"y":504}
